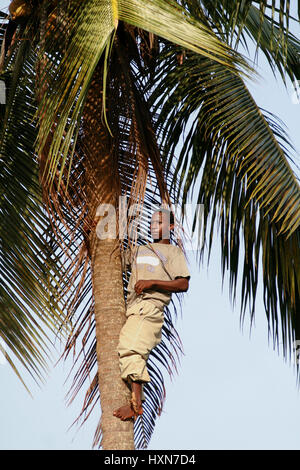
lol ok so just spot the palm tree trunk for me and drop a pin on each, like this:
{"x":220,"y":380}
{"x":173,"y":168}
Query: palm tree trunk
{"x":109,"y":302}
{"x":110,"y":316}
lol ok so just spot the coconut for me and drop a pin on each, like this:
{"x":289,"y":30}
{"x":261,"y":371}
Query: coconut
{"x":19,"y":9}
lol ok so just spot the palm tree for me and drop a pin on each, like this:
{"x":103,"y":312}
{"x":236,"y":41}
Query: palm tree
{"x":99,"y":94}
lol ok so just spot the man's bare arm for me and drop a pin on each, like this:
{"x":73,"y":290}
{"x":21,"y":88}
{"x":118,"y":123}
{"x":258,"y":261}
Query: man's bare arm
{"x":181,"y":284}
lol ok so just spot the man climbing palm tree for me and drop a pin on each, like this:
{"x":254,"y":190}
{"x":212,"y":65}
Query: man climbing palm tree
{"x":159,"y":269}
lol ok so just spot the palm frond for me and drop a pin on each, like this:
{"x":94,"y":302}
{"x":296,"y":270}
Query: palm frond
{"x":183,"y":29}
{"x":69,"y":74}
{"x":280,"y":47}
{"x":69,"y":63}
{"x":225,"y":103}
{"x":28,"y":290}
{"x":72,"y":201}
{"x":266,"y":25}
{"x":241,"y":156}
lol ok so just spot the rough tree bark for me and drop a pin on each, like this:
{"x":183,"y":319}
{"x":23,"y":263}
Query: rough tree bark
{"x":101,"y":179}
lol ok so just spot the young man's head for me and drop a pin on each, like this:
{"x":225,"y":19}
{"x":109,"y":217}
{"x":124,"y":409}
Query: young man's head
{"x":162,"y":223}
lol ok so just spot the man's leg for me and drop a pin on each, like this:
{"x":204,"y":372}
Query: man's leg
{"x":140,"y":334}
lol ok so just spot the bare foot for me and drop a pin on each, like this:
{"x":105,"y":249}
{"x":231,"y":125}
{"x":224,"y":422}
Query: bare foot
{"x":126,"y":412}
{"x":135,"y":408}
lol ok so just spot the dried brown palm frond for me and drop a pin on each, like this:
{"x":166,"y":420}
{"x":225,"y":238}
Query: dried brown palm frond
{"x":131,"y":154}
{"x":30,"y":308}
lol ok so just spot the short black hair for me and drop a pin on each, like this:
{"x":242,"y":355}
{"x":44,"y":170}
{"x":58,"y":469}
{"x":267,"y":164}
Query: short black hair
{"x":168,"y":212}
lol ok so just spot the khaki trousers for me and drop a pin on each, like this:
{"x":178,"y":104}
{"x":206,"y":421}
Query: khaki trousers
{"x":139,"y":335}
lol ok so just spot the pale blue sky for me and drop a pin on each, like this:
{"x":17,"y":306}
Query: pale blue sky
{"x":232,"y":391}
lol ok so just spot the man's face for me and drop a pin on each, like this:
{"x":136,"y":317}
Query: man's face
{"x":160,"y":226}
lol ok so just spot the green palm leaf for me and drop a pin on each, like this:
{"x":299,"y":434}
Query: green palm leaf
{"x":280,"y":47}
{"x":28,"y":266}
{"x":246,"y":180}
{"x":71,"y":77}
{"x":266,"y":25}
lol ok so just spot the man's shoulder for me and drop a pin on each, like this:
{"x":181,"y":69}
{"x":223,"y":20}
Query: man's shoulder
{"x":167,"y":252}
{"x":169,"y":248}
{"x":165,"y":246}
